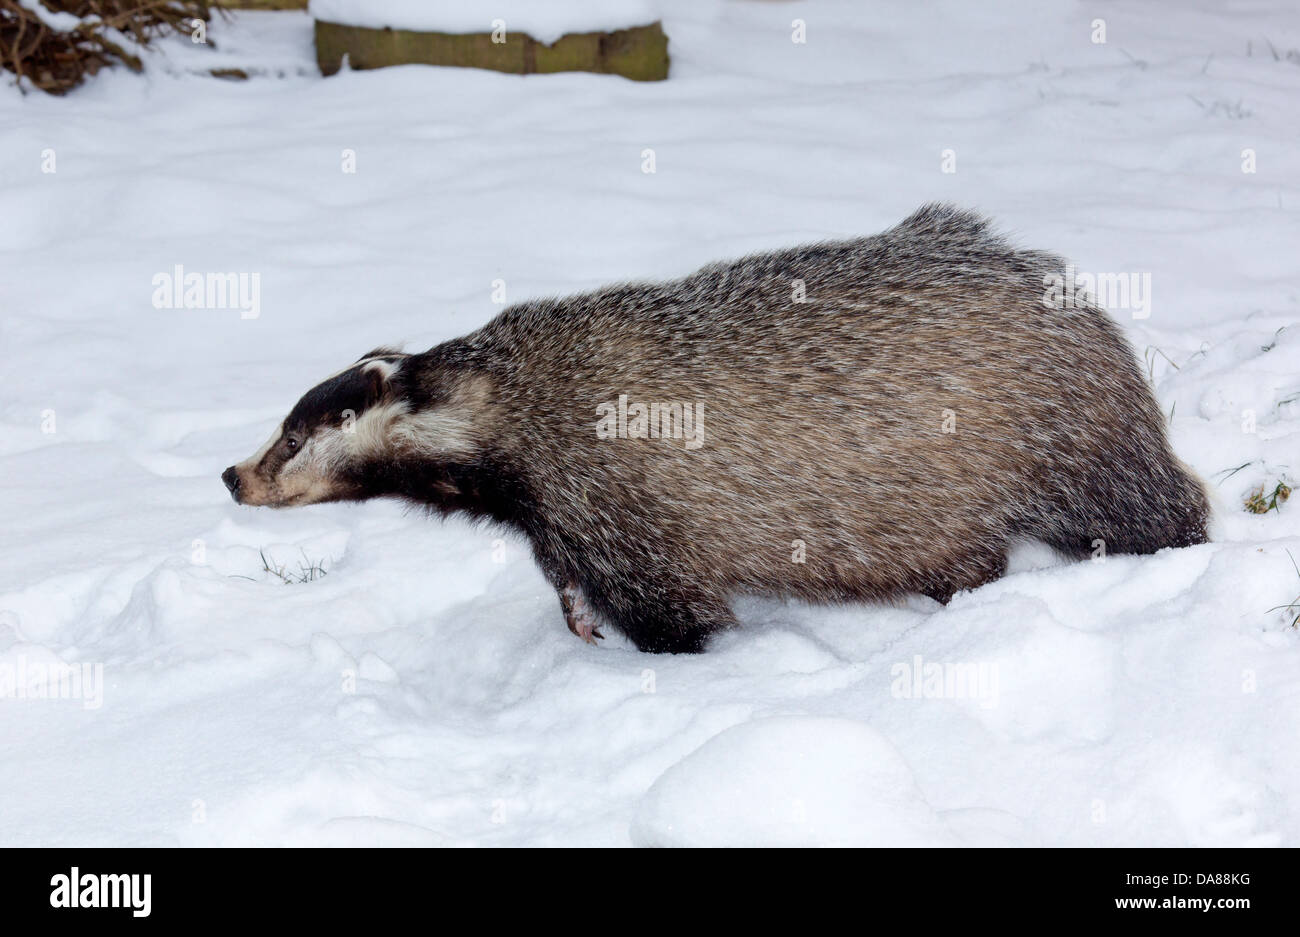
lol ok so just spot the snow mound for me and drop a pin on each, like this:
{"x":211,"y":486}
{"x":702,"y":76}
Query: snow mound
{"x":544,"y":20}
{"x":789,"y":781}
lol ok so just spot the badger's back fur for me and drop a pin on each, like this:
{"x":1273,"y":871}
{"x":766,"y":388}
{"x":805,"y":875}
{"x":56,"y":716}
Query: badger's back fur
{"x":895,"y":431}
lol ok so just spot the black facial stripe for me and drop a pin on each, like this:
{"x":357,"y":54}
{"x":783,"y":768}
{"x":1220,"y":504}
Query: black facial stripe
{"x":324,"y":404}
{"x":280,"y":453}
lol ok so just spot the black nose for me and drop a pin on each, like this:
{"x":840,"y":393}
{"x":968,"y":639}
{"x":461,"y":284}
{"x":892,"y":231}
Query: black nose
{"x":231,"y":478}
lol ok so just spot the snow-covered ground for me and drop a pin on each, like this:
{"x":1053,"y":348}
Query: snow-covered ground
{"x":426,"y":690}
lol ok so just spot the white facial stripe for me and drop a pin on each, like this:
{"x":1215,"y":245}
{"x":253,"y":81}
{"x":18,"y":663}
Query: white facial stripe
{"x":371,"y":433}
{"x":335,"y":446}
{"x":329,"y":448}
{"x":299,"y":459}
{"x":320,"y":454}
{"x":443,"y":431}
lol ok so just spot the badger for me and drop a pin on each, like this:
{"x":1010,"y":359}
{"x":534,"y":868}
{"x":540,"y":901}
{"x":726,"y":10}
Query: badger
{"x":846,"y":421}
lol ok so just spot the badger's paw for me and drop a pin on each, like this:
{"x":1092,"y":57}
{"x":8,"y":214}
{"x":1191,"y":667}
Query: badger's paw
{"x":578,"y":615}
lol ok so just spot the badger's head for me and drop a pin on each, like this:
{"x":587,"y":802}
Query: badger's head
{"x":348,"y":438}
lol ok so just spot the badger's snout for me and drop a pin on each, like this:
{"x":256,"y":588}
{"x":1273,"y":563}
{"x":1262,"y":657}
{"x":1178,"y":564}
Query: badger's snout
{"x":231,"y":478}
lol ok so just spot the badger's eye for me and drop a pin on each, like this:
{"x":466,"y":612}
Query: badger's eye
{"x":291,"y":443}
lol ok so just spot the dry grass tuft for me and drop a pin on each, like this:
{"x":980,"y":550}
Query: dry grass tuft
{"x":1261,"y":501}
{"x":53,"y":45}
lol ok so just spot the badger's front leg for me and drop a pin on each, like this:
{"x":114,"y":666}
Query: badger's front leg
{"x":578,"y":614}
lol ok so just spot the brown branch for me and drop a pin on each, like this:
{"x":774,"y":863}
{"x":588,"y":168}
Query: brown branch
{"x":57,"y":61}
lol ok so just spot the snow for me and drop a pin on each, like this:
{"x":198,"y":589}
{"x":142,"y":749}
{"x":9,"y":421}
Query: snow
{"x":544,"y":20}
{"x":58,"y":22}
{"x":425,"y":691}
{"x":789,"y":781}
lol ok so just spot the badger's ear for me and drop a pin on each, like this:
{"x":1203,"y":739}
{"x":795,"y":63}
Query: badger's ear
{"x":383,"y":351}
{"x":378,"y":376}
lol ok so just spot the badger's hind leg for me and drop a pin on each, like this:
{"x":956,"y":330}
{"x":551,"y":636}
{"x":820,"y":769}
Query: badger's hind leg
{"x":1111,"y":513}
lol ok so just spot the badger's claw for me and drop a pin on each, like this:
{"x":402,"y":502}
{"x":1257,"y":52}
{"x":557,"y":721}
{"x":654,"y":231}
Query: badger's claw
{"x":586,"y":631}
{"x":577,"y":615}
